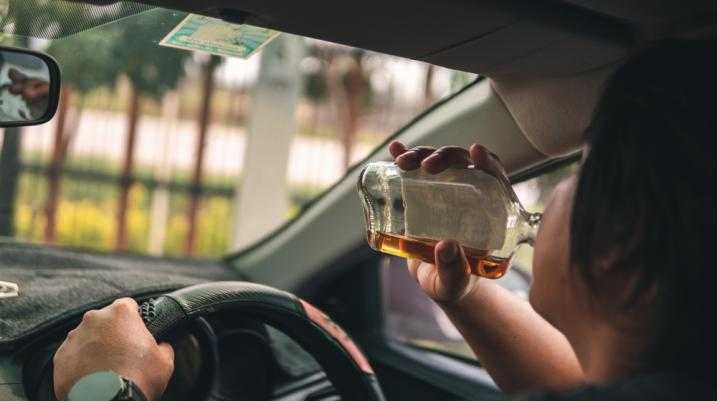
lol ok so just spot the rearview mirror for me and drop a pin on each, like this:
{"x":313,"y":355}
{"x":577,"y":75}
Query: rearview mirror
{"x":29,"y":87}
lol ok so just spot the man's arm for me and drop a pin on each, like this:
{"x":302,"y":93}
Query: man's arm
{"x":114,"y":339}
{"x":521,"y":351}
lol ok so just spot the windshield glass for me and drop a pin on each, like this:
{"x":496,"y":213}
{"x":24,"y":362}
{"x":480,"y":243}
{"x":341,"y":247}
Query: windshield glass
{"x":175,"y":152}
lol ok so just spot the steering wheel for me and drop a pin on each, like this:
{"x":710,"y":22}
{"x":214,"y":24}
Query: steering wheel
{"x":344,"y":363}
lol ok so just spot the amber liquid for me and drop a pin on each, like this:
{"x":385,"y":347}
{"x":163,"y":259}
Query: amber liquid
{"x":415,"y":248}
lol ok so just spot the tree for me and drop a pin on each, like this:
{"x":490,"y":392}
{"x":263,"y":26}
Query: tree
{"x":86,"y":65}
{"x":351,"y":90}
{"x":315,"y":77}
{"x":152,"y":71}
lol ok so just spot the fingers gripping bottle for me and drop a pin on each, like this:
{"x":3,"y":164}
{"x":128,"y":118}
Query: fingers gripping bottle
{"x":409,"y":212}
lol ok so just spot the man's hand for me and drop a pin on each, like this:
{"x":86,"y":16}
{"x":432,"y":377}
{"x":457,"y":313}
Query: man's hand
{"x":114,"y":339}
{"x":449,"y":280}
{"x":32,"y":90}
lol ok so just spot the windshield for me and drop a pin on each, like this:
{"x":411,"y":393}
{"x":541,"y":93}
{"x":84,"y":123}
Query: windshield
{"x":177,"y":152}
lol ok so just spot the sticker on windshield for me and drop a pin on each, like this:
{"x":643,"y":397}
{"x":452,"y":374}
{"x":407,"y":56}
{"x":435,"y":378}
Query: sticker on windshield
{"x":8,"y":289}
{"x":211,"y":35}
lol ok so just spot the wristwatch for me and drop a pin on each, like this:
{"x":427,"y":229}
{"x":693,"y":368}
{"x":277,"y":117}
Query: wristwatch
{"x":105,"y":386}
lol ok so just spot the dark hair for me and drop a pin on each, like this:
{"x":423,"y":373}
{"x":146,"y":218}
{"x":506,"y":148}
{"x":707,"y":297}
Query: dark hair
{"x":644,"y":203}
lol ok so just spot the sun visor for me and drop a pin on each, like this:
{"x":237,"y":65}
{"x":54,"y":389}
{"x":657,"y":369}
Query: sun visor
{"x":530,"y":49}
{"x":553,"y":112}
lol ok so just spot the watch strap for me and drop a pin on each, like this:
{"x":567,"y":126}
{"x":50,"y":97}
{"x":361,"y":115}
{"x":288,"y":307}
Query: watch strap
{"x":131,"y":392}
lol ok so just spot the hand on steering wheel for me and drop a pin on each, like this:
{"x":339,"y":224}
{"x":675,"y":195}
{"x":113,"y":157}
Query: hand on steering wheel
{"x":114,"y":338}
{"x":345,"y":365}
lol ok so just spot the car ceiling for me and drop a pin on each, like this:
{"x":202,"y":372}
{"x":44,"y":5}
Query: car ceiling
{"x":531,"y":49}
{"x":491,"y":37}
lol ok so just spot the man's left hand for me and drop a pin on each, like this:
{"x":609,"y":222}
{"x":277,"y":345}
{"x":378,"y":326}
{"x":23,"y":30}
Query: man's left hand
{"x":114,"y":339}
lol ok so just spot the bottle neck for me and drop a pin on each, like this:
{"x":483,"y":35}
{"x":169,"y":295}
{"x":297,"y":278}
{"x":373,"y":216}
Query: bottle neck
{"x":529,"y":227}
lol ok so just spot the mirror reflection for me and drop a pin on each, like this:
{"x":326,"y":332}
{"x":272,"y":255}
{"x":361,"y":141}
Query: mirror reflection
{"x":24,"y":87}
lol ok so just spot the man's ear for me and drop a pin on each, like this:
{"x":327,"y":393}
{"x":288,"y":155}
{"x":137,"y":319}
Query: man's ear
{"x":16,"y":75}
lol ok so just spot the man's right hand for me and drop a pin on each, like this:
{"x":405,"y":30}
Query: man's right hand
{"x":449,"y":280}
{"x":115,"y":339}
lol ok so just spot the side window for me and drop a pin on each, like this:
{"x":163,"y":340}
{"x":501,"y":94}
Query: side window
{"x":413,"y":318}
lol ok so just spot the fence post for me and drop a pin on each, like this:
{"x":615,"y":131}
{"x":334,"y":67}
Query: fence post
{"x":159,"y":209}
{"x":204,"y":118}
{"x":54,"y":171}
{"x":127,"y":167}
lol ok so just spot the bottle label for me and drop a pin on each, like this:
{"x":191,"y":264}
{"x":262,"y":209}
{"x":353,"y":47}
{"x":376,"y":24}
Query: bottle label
{"x":471,"y":209}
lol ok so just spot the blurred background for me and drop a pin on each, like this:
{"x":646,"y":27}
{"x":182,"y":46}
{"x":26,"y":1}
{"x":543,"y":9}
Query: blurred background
{"x":169,"y":152}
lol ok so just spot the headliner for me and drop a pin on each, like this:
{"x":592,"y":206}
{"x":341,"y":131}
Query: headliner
{"x":547,"y":59}
{"x":495,"y":38}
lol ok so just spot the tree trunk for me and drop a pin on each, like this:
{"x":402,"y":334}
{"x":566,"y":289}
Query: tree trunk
{"x":355,"y":90}
{"x":159,"y":208}
{"x":428,"y":96}
{"x":127,"y":178}
{"x":313,"y":122}
{"x":204,"y":118}
{"x":349,"y":129}
{"x":54,"y":171}
{"x":9,"y":172}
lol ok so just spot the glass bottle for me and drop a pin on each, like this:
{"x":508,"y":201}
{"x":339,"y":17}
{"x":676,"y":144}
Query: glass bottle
{"x":408,"y":212}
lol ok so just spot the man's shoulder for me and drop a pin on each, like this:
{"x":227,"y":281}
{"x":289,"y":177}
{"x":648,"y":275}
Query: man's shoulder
{"x":657,"y":387}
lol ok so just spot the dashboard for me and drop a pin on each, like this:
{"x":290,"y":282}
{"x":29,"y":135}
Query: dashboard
{"x":215,"y":359}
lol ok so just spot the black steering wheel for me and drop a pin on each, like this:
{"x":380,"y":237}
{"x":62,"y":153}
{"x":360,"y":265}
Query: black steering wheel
{"x":344,"y":363}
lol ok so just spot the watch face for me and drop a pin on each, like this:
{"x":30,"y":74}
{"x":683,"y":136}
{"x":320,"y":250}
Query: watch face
{"x":99,"y":386}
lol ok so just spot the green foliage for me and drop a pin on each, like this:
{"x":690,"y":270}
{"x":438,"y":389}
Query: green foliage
{"x":23,"y":13}
{"x":152,"y":69}
{"x":96,"y":58}
{"x":86,"y":59}
{"x":315,"y":87}
{"x":315,"y":75}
